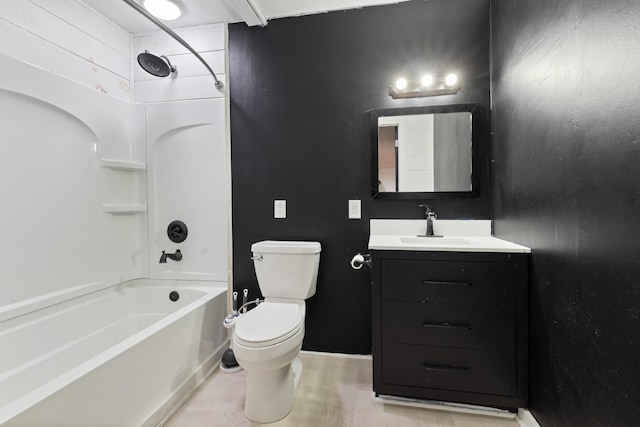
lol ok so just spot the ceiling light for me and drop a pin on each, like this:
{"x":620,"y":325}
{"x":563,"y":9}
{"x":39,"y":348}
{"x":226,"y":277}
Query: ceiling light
{"x":163,"y":9}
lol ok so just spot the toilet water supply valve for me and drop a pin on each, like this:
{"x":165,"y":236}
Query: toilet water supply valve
{"x":231,"y":319}
{"x":359,"y":260}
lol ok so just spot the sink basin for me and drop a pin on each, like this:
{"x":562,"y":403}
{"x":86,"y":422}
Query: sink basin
{"x":459,"y":236}
{"x":435,"y":241}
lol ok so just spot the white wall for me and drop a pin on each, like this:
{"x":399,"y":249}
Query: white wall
{"x":68,"y":39}
{"x":187,"y":154}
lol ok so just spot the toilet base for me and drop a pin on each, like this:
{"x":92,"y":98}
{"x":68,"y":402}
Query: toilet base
{"x":270,"y":394}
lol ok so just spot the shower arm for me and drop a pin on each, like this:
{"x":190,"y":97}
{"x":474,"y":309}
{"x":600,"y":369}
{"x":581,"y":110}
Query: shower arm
{"x":179,"y":39}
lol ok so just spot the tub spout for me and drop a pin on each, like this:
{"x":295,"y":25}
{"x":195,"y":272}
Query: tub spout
{"x":177,"y":256}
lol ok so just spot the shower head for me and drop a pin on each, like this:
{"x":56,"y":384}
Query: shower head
{"x":159,"y":66}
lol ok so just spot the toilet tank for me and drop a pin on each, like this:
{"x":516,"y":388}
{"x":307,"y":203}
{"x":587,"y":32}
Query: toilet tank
{"x":286,"y":269}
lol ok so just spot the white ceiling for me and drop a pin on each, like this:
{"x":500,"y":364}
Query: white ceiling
{"x":198,"y":12}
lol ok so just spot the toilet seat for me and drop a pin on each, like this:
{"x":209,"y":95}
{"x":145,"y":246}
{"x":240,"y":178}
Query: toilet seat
{"x":268,"y":324}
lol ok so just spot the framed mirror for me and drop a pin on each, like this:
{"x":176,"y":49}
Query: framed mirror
{"x":426,"y":152}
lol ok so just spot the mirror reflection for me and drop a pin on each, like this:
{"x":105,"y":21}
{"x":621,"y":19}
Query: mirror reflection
{"x":430,"y":152}
{"x":425,"y":152}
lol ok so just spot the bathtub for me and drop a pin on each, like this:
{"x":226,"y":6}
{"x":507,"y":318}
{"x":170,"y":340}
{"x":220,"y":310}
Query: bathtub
{"x":123,"y":356}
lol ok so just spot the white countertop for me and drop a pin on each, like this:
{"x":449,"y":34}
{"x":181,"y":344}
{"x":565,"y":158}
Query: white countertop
{"x":458,"y":236}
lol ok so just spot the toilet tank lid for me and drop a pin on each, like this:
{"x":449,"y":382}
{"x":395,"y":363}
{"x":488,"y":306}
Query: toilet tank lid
{"x":286,"y":247}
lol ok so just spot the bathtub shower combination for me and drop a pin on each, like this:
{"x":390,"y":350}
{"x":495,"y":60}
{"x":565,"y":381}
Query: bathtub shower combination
{"x":123,"y":356}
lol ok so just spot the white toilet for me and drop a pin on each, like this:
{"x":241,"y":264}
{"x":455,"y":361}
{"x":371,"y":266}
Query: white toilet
{"x":267,"y":339}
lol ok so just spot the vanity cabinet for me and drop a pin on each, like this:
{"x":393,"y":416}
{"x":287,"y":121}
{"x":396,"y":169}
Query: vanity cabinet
{"x":450,"y":326}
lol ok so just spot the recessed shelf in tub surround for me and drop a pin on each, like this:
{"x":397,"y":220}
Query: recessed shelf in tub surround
{"x":124,"y":209}
{"x":124,"y":165}
{"x":458,"y":236}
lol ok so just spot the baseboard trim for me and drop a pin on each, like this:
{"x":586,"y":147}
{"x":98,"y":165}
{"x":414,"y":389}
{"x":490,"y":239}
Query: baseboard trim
{"x":342,"y":355}
{"x":526,"y":419}
{"x":444,"y":406}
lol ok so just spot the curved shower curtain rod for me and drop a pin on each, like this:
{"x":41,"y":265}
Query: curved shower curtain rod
{"x":169,"y":31}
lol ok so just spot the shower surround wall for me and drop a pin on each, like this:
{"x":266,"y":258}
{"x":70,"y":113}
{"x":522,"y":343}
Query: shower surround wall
{"x":57,"y":234}
{"x":187,"y":153}
{"x":300,"y":91}
{"x":567,"y":161}
{"x":74,"y":222}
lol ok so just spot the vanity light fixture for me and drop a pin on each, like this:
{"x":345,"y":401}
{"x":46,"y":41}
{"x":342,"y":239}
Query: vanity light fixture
{"x":451,"y":80}
{"x":401,"y":83}
{"x":426,"y":81}
{"x":426,"y":86}
{"x":163,"y":9}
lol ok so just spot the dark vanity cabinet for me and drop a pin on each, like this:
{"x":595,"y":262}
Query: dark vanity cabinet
{"x":451,"y":326}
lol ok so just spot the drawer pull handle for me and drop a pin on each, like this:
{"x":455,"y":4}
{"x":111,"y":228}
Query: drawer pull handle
{"x":440,"y":283}
{"x":446,"y":369}
{"x":447,"y":325}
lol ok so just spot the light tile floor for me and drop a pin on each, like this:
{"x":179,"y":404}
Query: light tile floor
{"x":334,"y":391}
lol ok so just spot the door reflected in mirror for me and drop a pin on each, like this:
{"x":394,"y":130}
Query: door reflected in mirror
{"x":425,"y":152}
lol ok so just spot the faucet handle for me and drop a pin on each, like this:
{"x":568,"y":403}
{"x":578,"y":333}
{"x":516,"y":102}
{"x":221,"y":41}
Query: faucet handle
{"x":427,"y":209}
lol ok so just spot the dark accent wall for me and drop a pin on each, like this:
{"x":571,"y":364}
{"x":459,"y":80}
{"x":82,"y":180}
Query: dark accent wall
{"x":300,"y":89}
{"x":566,"y":153}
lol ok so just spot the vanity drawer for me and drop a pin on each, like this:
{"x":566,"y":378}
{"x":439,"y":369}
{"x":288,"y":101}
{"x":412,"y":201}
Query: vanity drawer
{"x":462,"y":326}
{"x":488,"y":372}
{"x":449,"y":282}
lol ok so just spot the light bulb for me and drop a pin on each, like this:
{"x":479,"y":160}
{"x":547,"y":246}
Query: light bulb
{"x":451,"y":79}
{"x":401,"y":83}
{"x":163,"y":9}
{"x":426,"y":81}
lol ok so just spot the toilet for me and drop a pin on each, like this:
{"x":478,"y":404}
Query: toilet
{"x":267,"y":339}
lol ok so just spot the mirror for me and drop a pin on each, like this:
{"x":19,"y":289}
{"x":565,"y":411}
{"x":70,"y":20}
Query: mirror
{"x":425,"y":152}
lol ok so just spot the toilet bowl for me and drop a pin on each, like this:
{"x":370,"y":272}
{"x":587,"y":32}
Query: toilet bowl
{"x":267,"y":339}
{"x":265,"y":344}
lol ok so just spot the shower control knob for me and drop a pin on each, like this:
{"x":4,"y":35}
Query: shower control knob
{"x":177,"y":231}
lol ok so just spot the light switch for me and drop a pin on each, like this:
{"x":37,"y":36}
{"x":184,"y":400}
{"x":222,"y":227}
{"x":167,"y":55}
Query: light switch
{"x":355,"y":209}
{"x":279,"y":208}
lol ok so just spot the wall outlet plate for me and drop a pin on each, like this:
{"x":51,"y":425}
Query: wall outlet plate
{"x":279,"y":208}
{"x":355,"y":209}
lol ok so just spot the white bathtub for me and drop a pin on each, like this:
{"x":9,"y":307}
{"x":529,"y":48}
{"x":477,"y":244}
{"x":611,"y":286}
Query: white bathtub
{"x":123,"y":356}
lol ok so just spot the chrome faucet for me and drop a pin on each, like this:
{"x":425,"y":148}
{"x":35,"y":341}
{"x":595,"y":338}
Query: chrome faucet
{"x":177,"y":256}
{"x":431,"y":215}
